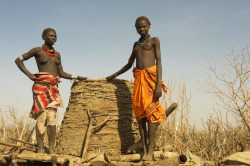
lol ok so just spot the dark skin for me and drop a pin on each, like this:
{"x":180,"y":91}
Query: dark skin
{"x":45,"y":63}
{"x":146,"y":56}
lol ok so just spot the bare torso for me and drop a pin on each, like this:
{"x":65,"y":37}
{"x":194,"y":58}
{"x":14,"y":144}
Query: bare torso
{"x":46,"y":63}
{"x":145,"y":54}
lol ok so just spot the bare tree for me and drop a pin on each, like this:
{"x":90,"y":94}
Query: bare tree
{"x":2,"y":127}
{"x":229,"y":82}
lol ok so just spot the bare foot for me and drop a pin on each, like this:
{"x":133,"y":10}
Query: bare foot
{"x":40,"y":150}
{"x":148,"y":157}
{"x":143,"y":157}
{"x":51,"y":151}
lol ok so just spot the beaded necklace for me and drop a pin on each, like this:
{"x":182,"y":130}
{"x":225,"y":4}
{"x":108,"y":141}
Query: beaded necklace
{"x":49,"y":52}
{"x":144,"y":41}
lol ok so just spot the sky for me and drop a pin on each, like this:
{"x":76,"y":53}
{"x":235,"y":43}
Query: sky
{"x":95,"y":39}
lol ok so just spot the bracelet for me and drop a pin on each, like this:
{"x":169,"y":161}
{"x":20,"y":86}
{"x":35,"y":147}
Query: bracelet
{"x":20,"y":58}
{"x":74,"y":76}
{"x":160,"y":81}
{"x":115,"y":75}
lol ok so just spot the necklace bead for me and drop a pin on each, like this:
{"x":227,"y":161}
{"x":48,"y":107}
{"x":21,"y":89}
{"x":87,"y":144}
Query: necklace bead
{"x":144,"y":41}
{"x":49,"y":52}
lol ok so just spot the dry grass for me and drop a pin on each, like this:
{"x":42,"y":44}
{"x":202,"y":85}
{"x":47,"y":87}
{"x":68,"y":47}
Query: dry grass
{"x":22,"y":128}
{"x":12,"y":126}
{"x":216,"y":140}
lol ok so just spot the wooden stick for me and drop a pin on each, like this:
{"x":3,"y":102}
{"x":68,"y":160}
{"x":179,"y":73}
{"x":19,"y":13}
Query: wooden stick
{"x":91,"y":128}
{"x":22,"y":141}
{"x":87,"y":135}
{"x":137,"y":157}
{"x":31,"y":133}
{"x":17,"y":146}
{"x":40,"y":157}
{"x":102,"y":123}
{"x":171,"y":108}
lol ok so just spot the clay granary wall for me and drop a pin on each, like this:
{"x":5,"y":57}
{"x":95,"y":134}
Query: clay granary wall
{"x":102,"y":99}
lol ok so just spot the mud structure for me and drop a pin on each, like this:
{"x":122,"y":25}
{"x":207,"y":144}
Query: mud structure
{"x":102,"y":99}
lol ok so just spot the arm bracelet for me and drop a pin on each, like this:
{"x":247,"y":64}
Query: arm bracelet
{"x":73,"y":76}
{"x":20,"y":58}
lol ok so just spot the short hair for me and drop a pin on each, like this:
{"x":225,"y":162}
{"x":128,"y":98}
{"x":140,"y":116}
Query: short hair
{"x":142,"y":18}
{"x":45,"y":31}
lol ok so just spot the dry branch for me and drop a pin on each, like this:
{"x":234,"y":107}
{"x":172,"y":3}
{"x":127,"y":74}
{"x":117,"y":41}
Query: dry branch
{"x":17,"y":146}
{"x":25,"y":142}
{"x":171,"y":108}
{"x":137,"y":157}
{"x":90,"y":130}
{"x":39,"y":157}
{"x":87,"y":135}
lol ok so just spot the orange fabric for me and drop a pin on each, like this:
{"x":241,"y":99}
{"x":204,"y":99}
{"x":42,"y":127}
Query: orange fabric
{"x":143,"y":95}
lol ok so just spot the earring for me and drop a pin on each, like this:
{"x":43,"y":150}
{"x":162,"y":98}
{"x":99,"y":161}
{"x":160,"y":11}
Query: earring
{"x":149,"y":30}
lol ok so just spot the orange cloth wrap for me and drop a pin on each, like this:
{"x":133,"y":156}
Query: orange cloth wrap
{"x":144,"y":104}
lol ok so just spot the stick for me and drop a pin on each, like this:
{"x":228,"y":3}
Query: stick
{"x":40,"y":157}
{"x":22,"y":141}
{"x":31,"y":133}
{"x":102,"y":123}
{"x":17,"y":146}
{"x":171,"y":108}
{"x":87,"y":135}
{"x":137,"y":157}
{"x":90,"y":130}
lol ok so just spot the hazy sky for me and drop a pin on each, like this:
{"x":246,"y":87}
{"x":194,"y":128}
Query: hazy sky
{"x":95,"y":39}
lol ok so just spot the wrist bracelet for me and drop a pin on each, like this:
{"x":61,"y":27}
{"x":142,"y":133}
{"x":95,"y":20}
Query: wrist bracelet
{"x":74,"y":76}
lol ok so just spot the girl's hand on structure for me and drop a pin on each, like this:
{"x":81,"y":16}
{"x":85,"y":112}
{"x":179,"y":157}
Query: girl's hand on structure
{"x":81,"y":78}
{"x":109,"y":78}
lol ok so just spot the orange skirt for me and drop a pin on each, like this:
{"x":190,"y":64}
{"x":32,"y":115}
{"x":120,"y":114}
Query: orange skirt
{"x":144,"y":104}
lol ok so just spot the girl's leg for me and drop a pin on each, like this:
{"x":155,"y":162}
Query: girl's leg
{"x":151,"y":134}
{"x":143,"y":133}
{"x":51,"y":129}
{"x":39,"y":139}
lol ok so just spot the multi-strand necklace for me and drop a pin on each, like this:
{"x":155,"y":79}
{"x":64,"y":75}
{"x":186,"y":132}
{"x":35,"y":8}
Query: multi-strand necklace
{"x":144,"y":41}
{"x":51,"y":52}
